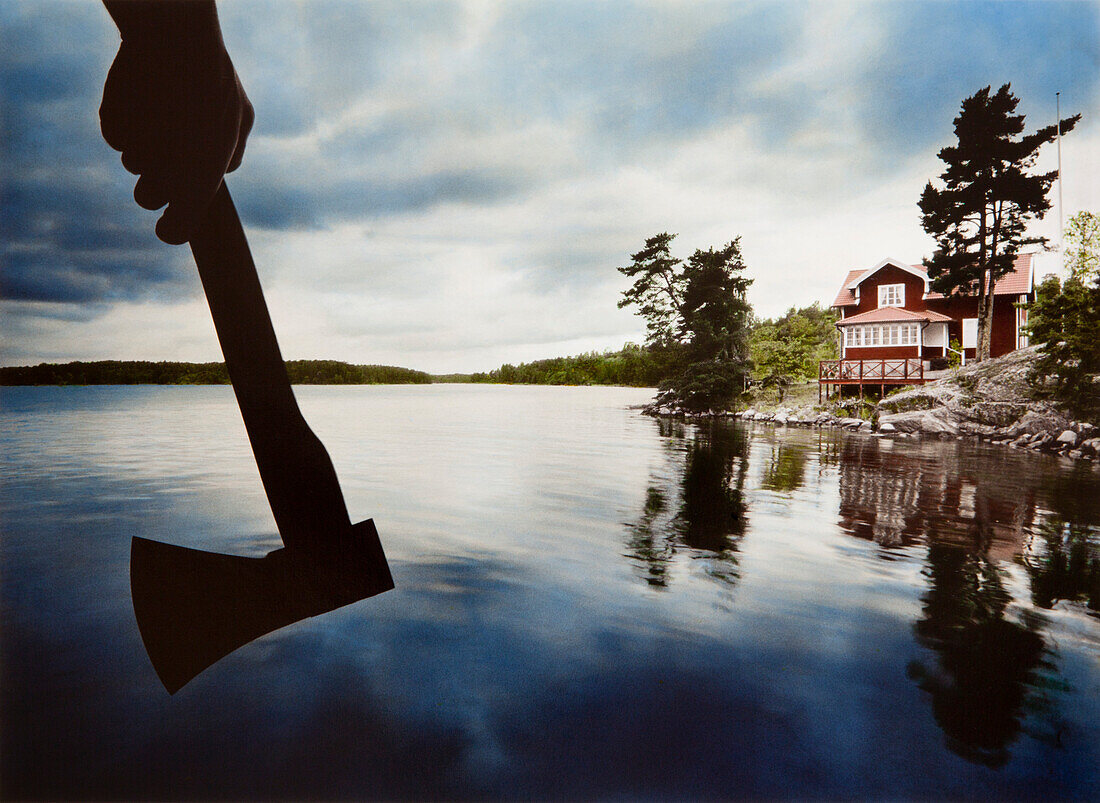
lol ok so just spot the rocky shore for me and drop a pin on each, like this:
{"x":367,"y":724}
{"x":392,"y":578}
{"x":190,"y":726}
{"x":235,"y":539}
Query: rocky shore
{"x":992,"y":401}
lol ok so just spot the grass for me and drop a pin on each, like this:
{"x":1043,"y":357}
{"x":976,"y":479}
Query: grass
{"x":801,"y":394}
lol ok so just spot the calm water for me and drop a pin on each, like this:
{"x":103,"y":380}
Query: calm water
{"x":588,"y":604}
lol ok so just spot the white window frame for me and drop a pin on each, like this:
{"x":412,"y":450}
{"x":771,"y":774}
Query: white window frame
{"x":887,"y":334}
{"x":891,"y":295}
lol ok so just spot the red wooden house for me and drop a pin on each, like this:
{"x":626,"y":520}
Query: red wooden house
{"x":893,"y":327}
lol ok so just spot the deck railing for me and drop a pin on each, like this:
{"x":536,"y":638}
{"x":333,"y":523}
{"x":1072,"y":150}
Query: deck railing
{"x":871,"y":372}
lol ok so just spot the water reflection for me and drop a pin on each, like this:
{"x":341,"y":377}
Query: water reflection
{"x":786,"y":469}
{"x":522,"y":656}
{"x":986,"y":661}
{"x":898,"y":497}
{"x":1064,"y":564}
{"x":992,"y":666}
{"x":700,"y":509}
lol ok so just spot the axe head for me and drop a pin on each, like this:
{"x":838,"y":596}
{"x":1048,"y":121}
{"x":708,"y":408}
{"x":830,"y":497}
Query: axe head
{"x":194,"y":608}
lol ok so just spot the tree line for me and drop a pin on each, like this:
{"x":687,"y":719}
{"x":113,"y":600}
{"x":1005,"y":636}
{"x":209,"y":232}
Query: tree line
{"x":136,"y":372}
{"x":632,"y":366}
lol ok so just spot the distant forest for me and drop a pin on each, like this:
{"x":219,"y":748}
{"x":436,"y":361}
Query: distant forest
{"x":128,"y":372}
{"x":632,"y":365}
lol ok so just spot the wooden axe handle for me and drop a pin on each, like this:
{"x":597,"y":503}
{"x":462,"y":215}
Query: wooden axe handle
{"x":296,"y":471}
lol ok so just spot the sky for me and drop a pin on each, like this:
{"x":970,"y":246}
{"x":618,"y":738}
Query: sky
{"x":450,"y":186}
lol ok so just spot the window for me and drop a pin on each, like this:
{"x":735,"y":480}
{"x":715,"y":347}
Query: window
{"x":889,"y":334}
{"x":891,"y":295}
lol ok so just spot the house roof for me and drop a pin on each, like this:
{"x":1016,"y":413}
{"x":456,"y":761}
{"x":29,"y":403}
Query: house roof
{"x":916,"y":270}
{"x":846,"y":297}
{"x":895,"y":314}
{"x":1019,"y":282}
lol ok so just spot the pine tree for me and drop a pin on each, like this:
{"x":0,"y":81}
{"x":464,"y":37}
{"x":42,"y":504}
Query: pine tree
{"x":658,"y":289}
{"x":979,"y":216}
{"x":697,"y":317}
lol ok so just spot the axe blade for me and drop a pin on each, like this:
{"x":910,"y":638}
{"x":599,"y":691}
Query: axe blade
{"x":195,"y":607}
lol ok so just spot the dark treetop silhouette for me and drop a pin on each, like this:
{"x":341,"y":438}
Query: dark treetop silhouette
{"x":174,"y":106}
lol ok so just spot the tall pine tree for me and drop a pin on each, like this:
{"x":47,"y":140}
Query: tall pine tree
{"x":697,"y":317}
{"x":979,"y":215}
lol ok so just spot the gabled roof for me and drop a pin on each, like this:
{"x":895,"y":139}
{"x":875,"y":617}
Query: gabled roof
{"x":895,"y":315}
{"x":916,"y":270}
{"x":1019,"y":282}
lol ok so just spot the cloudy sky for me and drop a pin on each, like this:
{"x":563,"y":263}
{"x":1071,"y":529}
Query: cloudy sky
{"x":450,"y":186}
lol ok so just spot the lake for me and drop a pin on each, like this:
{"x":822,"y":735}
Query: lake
{"x":589,"y":603}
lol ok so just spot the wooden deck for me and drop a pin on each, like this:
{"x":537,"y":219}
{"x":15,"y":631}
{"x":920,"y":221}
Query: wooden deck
{"x":837,"y":373}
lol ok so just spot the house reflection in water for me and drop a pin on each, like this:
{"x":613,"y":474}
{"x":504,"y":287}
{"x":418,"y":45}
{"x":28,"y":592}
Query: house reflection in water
{"x":975,"y":512}
{"x":941,"y":490}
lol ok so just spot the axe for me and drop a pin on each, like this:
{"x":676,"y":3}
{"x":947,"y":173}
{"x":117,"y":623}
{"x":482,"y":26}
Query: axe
{"x":195,"y":607}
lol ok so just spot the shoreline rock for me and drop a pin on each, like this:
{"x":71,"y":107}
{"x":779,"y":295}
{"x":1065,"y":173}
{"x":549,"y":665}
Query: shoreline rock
{"x":990,"y":401}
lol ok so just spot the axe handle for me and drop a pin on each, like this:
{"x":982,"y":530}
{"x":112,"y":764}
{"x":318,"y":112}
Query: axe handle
{"x":296,"y":471}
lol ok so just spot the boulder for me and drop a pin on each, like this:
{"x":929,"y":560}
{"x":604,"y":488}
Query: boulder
{"x":1068,"y":437}
{"x":1040,"y":440}
{"x":887,"y":427}
{"x":931,"y":422}
{"x":1035,"y":422}
{"x":994,"y":413}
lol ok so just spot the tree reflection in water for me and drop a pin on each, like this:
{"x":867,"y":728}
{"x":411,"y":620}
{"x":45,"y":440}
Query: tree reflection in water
{"x":1063,"y":561}
{"x":701,"y":511}
{"x":986,"y":661}
{"x":1065,"y":565}
{"x":976,"y":511}
{"x":786,"y":470}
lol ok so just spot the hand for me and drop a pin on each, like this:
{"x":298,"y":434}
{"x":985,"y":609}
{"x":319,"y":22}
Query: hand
{"x":174,"y":107}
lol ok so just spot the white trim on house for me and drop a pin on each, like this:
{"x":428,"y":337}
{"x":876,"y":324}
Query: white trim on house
{"x":856,"y":282}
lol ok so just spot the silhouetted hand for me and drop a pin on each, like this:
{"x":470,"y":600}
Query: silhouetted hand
{"x":174,"y":107}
